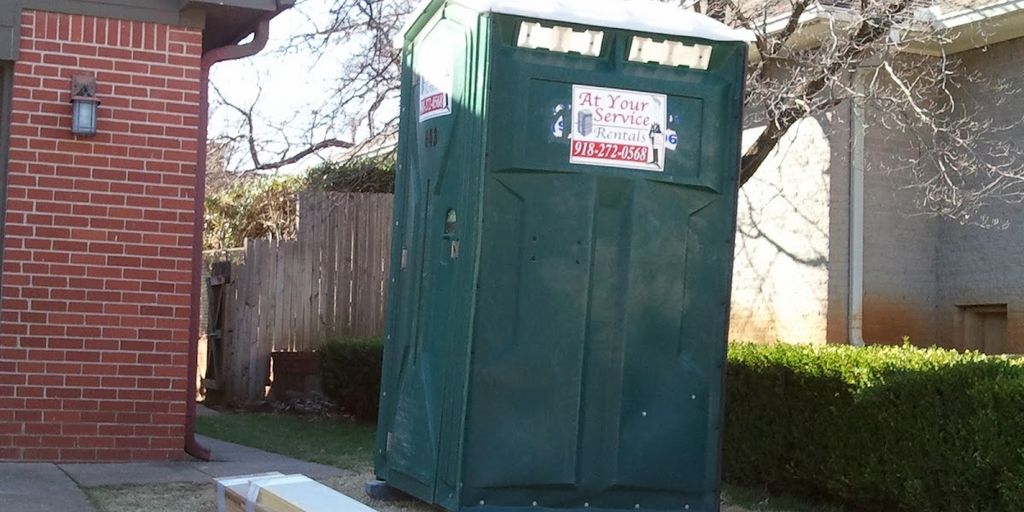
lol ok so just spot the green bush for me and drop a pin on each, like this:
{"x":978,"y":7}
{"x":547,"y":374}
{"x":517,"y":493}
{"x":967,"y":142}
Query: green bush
{"x":880,"y":428}
{"x":877,"y":428}
{"x":361,"y":175}
{"x":250,"y":208}
{"x":351,"y":375}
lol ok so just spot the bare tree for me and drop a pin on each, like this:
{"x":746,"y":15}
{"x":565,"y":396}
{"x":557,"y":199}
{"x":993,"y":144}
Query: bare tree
{"x":360,"y":105}
{"x":962,"y":161}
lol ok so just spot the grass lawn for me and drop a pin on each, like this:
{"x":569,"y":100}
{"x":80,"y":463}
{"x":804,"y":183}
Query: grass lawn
{"x":331,"y":441}
{"x":340,"y":443}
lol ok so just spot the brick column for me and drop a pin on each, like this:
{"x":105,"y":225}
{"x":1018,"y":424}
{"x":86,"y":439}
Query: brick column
{"x":97,"y":261}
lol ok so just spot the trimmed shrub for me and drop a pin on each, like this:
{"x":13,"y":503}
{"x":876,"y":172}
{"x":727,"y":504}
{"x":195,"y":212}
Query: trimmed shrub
{"x":362,"y":175}
{"x":251,"y":208}
{"x":351,"y":375}
{"x":879,"y":428}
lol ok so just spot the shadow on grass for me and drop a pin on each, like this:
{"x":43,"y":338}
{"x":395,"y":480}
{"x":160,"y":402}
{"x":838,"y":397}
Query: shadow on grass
{"x":757,"y":500}
{"x":331,"y":441}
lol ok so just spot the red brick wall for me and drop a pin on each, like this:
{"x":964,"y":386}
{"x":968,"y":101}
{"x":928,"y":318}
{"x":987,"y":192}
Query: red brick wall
{"x":97,"y":268}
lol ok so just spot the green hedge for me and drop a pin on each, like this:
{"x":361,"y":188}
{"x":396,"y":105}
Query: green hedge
{"x":877,"y":428}
{"x":351,"y":375}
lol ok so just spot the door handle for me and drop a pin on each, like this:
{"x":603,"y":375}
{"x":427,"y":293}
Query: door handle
{"x":454,"y":243}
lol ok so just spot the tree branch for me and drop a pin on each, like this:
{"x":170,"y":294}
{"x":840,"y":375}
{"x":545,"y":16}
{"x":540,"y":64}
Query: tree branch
{"x":298,"y":157}
{"x":794,"y":108}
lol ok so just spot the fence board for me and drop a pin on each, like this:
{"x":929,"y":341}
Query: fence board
{"x":292,"y":295}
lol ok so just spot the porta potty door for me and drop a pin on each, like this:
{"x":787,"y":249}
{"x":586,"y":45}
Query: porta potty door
{"x":427,"y":313}
{"x":607,"y":245}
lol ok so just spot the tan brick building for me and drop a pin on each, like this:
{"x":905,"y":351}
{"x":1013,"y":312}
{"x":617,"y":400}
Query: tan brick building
{"x":933,"y":280}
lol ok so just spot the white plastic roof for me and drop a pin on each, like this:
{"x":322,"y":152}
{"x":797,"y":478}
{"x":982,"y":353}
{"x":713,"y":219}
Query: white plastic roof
{"x":638,"y":15}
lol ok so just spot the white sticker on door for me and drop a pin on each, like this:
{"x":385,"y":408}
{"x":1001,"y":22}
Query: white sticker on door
{"x":617,"y":128}
{"x":436,"y":67}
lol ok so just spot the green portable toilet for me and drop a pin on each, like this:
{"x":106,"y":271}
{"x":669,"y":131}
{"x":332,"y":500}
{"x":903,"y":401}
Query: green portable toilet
{"x":563,"y":242}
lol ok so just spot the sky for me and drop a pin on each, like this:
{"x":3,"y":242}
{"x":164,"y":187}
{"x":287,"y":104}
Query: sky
{"x":289,"y":84}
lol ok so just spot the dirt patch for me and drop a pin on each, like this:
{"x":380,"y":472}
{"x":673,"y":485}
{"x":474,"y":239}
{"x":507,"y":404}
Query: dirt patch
{"x":155,"y":498}
{"x":202,"y":497}
{"x":353,"y":486}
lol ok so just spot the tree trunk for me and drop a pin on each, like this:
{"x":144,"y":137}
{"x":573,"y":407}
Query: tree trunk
{"x":758,"y":153}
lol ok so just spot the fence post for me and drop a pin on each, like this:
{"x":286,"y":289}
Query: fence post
{"x":291,"y":295}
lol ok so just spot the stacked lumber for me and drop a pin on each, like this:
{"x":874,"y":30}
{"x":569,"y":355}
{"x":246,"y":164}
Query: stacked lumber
{"x":275,"y":492}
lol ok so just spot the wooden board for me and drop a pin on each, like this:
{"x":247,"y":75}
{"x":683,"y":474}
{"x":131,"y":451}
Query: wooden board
{"x":232,"y":491}
{"x":300,"y":494}
{"x":274,"y":492}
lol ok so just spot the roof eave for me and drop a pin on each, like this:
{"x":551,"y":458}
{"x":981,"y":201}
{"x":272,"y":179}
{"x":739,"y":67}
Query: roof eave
{"x":974,"y":28}
{"x":963,"y":30}
{"x":231,"y":21}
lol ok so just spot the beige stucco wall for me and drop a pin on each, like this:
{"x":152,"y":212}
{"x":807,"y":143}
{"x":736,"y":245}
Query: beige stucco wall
{"x":791,"y":279}
{"x":780,"y":281}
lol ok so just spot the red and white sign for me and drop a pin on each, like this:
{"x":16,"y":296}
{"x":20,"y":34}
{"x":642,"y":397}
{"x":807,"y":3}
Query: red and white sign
{"x":435,"y":105}
{"x":618,"y":128}
{"x":436,"y":68}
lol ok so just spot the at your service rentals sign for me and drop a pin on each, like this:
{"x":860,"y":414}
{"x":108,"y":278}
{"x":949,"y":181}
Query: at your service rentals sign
{"x":618,"y":128}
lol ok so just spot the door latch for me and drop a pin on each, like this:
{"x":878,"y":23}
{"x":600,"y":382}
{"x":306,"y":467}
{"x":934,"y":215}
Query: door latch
{"x":451,"y":223}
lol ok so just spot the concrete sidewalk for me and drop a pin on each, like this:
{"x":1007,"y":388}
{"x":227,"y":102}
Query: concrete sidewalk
{"x":33,"y":487}
{"x":57,"y":487}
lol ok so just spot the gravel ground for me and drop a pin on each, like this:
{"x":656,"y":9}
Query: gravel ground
{"x":201,"y":497}
{"x":154,"y":498}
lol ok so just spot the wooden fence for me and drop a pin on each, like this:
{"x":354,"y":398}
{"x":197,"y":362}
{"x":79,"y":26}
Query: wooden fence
{"x":292,"y":295}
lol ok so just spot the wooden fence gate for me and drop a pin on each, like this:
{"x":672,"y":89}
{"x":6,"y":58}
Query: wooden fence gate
{"x":292,"y":295}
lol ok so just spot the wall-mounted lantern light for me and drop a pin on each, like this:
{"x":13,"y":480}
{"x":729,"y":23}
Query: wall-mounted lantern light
{"x":83,"y":105}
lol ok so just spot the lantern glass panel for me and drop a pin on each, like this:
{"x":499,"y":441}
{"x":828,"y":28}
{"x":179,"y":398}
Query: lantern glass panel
{"x":84,"y":118}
